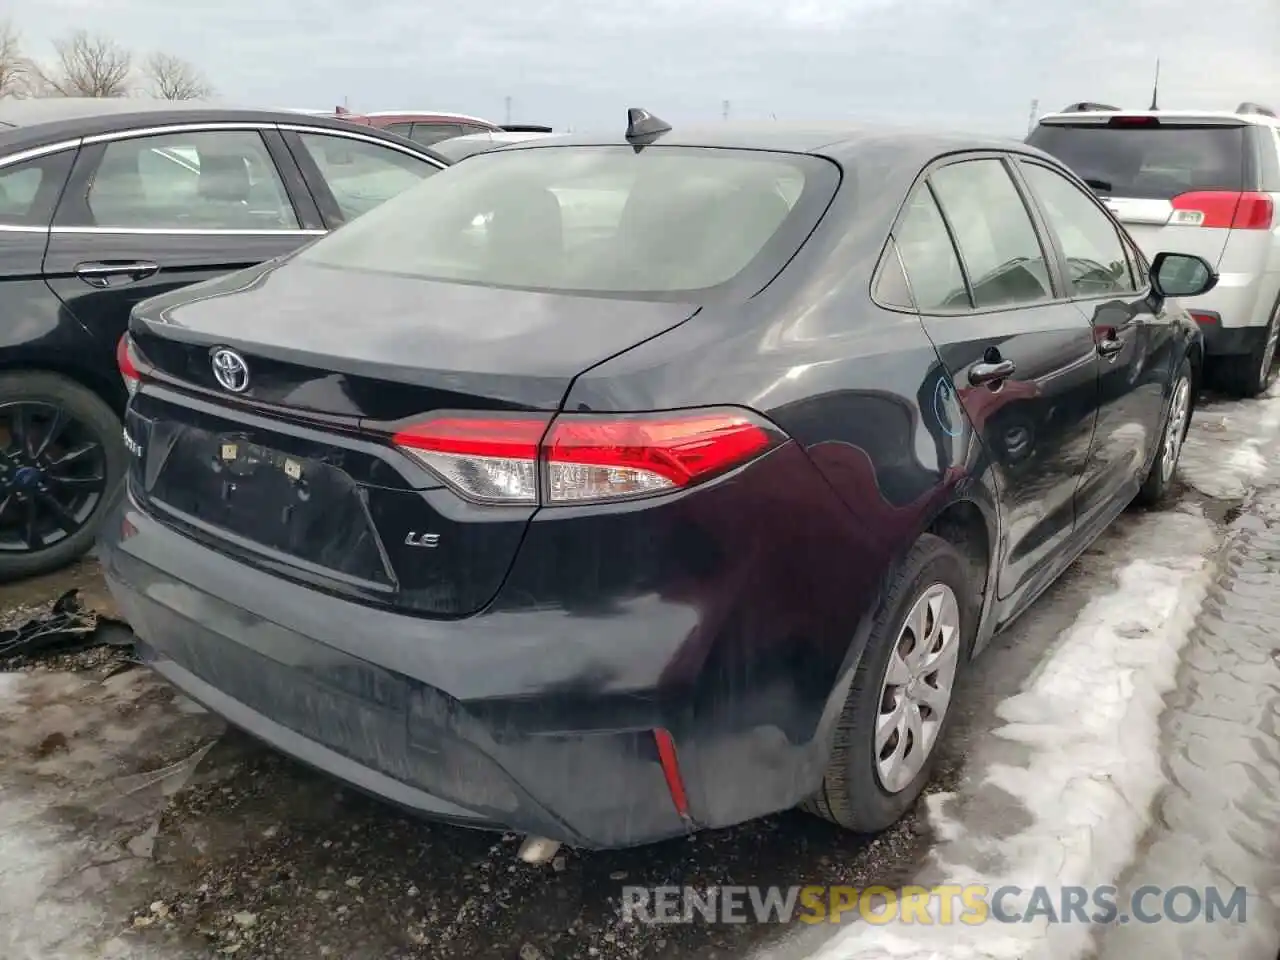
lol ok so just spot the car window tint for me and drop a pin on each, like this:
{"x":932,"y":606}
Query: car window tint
{"x":998,"y":243}
{"x":661,"y":222}
{"x":29,"y":190}
{"x":400,"y":129}
{"x":211,"y":180}
{"x":933,"y":270}
{"x":361,"y":175}
{"x":1148,"y":162}
{"x":1096,"y":260}
{"x":429,"y":133}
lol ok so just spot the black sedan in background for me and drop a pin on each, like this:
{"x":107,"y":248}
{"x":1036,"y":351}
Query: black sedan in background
{"x":611,"y":488}
{"x":104,"y":203}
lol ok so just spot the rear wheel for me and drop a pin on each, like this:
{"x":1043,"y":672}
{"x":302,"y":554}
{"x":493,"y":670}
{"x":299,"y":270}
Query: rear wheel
{"x":1252,"y":374}
{"x":61,"y":461}
{"x":898,"y":707}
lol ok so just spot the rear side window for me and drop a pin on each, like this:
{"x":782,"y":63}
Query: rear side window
{"x":1149,"y":162}
{"x":662,"y":223}
{"x":362,"y":175}
{"x":429,"y":133}
{"x":998,"y":243}
{"x":933,"y":270}
{"x":29,"y":190}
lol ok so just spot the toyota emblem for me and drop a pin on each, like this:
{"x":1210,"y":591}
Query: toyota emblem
{"x":230,"y":370}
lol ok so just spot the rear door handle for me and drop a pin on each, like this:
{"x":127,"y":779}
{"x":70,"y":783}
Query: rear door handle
{"x":994,"y":372}
{"x":1110,"y":346}
{"x":101,"y":273}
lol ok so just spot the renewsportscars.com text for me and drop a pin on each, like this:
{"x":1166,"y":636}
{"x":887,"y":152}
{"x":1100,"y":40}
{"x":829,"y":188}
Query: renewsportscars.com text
{"x":941,"y":905}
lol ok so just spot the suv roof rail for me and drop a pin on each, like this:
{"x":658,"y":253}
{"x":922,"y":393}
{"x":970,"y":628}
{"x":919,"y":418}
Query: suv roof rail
{"x":1255,"y":108}
{"x":1086,"y":106}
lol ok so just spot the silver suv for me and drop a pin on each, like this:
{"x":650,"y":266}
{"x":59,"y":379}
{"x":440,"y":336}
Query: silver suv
{"x":1201,"y":182}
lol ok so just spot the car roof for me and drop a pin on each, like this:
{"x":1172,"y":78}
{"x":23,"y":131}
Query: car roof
{"x":439,"y":116}
{"x":37,"y":122}
{"x":836,"y":141}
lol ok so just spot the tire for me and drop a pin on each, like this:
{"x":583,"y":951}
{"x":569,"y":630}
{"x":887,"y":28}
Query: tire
{"x":1159,"y":480}
{"x":854,"y":794}
{"x":1251,"y":375}
{"x":90,"y":421}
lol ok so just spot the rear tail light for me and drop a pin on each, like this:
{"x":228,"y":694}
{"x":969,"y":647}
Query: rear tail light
{"x":127,"y":365}
{"x":585,"y":458}
{"x":1224,"y":210}
{"x":1203,"y":317}
{"x":1134,"y":121}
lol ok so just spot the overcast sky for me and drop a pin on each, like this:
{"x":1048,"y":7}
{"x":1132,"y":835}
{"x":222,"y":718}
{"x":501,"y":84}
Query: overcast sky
{"x":973,"y":64}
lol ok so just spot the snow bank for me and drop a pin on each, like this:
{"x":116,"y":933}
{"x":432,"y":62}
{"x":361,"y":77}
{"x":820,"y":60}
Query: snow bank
{"x":1088,"y":721}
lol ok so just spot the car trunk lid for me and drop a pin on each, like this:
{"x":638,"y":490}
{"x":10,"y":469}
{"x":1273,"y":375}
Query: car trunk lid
{"x":293,"y":471}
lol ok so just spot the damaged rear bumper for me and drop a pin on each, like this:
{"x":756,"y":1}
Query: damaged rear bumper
{"x":345,"y":688}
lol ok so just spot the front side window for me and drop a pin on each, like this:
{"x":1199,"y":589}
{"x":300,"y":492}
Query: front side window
{"x":997,"y":240}
{"x":661,"y":223}
{"x":210,"y":180}
{"x":363,"y":175}
{"x":1096,"y":260}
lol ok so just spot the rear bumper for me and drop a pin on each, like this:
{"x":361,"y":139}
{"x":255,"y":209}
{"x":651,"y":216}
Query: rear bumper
{"x":1221,"y":340}
{"x":378,"y":729}
{"x":534,"y":717}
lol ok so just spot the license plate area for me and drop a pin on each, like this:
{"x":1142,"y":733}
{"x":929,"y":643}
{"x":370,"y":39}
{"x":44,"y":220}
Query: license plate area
{"x":294,"y":505}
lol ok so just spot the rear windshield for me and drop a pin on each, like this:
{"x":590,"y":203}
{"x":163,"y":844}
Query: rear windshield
{"x":1148,"y":162}
{"x":662,"y":223}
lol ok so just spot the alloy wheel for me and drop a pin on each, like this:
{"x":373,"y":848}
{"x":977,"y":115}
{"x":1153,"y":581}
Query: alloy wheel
{"x":53,"y":475}
{"x":1176,"y":429}
{"x":917,"y":687}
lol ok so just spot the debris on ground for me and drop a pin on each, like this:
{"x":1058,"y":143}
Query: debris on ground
{"x":66,"y":626}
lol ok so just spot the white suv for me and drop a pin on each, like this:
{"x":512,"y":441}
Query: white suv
{"x":1198,"y":182}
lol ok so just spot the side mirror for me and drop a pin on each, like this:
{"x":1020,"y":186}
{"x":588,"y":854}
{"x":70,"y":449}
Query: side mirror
{"x":1182,"y":275}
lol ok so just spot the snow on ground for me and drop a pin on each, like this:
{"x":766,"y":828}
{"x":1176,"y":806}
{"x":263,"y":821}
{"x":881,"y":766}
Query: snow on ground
{"x":1088,"y":720}
{"x":1230,"y":446}
{"x":1073,"y":806}
{"x":77,"y":812}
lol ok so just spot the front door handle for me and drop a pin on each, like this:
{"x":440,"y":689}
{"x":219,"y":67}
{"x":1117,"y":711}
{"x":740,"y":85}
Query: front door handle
{"x":1110,"y":347}
{"x":991,"y":372}
{"x":101,"y":273}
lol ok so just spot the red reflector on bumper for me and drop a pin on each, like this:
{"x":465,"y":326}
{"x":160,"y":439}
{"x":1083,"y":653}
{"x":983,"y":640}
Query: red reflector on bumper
{"x":671,"y":771}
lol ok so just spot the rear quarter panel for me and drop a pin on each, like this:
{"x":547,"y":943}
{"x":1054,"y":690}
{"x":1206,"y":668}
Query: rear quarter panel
{"x":803,"y":559}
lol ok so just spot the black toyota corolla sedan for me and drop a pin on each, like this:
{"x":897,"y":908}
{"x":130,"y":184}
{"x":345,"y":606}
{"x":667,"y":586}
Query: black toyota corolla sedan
{"x":104,"y":203}
{"x":606,"y":489}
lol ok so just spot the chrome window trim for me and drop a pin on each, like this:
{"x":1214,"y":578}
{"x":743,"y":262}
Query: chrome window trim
{"x":163,"y":231}
{"x":36,"y":152}
{"x":208,"y":127}
{"x":213,"y":126}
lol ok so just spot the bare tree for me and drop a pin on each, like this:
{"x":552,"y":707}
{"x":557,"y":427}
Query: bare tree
{"x":85,"y":65}
{"x":13,"y":66}
{"x":172,"y":78}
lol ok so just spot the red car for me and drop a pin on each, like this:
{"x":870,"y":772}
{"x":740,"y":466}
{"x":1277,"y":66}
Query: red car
{"x":424,"y":127}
